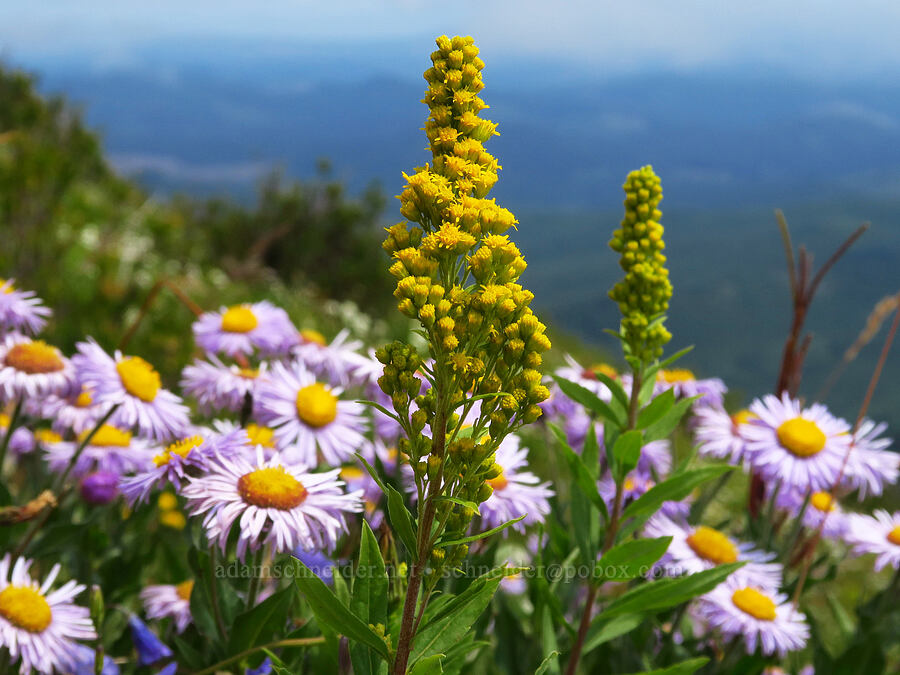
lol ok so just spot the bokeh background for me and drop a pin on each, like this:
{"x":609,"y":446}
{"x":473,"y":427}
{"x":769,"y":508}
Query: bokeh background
{"x":247,"y":150}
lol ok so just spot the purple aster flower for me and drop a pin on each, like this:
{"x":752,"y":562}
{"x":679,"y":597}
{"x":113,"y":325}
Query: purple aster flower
{"x":243,"y":329}
{"x":318,"y":562}
{"x":21,"y":311}
{"x":870,"y":465}
{"x":272,"y":502}
{"x":22,"y":440}
{"x":685,"y":385}
{"x":878,"y":534}
{"x":803,"y":448}
{"x":821,"y":508}
{"x":218,"y":387}
{"x":516,"y":492}
{"x":32,"y":369}
{"x":37,"y":626}
{"x":718,"y":434}
{"x":100,"y":487}
{"x":76,"y":412}
{"x":164,"y":601}
{"x":307,"y":415}
{"x":110,"y":449}
{"x":357,"y":478}
{"x":338,"y":362}
{"x":135,"y":386}
{"x":759,"y":616}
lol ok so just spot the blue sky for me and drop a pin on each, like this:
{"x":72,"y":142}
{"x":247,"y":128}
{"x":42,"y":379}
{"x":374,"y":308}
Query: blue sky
{"x":816,"y":39}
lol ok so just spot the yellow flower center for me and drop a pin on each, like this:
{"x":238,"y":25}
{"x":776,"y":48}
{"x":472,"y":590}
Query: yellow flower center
{"x":801,"y":437}
{"x":272,"y":487}
{"x":249,"y":373}
{"x":4,"y":420}
{"x":351,"y":473}
{"x":180,"y":448}
{"x":499,"y":482}
{"x":239,"y":319}
{"x":742,"y":417}
{"x":184,"y":589}
{"x":677,"y":375}
{"x":260,"y":435}
{"x":84,"y":399}
{"x":822,"y":501}
{"x":756,"y":604}
{"x":7,"y":286}
{"x":25,"y":608}
{"x":167,"y":501}
{"x":108,"y":436}
{"x":316,"y":406}
{"x":712,"y":545}
{"x":34,"y":357}
{"x":894,"y":536}
{"x":629,"y":484}
{"x":314,"y":336}
{"x":173,"y":519}
{"x":139,"y":378}
{"x":46,"y":436}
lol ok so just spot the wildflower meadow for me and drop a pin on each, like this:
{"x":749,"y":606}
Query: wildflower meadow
{"x":459,"y":495}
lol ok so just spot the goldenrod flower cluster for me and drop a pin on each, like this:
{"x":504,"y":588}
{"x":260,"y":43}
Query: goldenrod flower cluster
{"x":457,"y":274}
{"x":643,"y":295}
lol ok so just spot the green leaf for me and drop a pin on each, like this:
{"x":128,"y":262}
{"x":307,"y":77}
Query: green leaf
{"x":550,"y":659}
{"x":631,"y":559}
{"x":676,"y":487}
{"x":457,"y":616}
{"x":258,"y":625}
{"x":650,"y":373}
{"x":664,"y":426}
{"x":461,"y":502}
{"x":481,"y":535}
{"x":615,"y":387}
{"x":381,"y":409}
{"x":278,"y":666}
{"x":430,"y":665}
{"x":683,"y":668}
{"x":340,"y":587}
{"x":590,"y":454}
{"x":654,"y":410}
{"x":331,"y":612}
{"x":584,"y":476}
{"x":369,"y":600}
{"x":657,"y":596}
{"x":399,"y":515}
{"x":627,"y":451}
{"x":589,"y":400}
{"x":601,"y":632}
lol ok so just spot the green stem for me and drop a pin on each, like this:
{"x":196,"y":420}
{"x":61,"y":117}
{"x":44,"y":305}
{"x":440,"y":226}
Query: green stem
{"x":214,"y":593}
{"x":295,"y":642}
{"x":255,"y":579}
{"x":57,"y":486}
{"x":13,"y":421}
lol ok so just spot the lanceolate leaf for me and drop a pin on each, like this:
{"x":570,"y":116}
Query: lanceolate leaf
{"x":627,"y":451}
{"x":431,"y":665}
{"x":481,"y":535}
{"x":331,"y":612}
{"x":631,"y":559}
{"x":589,"y":400}
{"x":399,"y":515}
{"x":259,"y":624}
{"x":369,"y":601}
{"x":683,"y":668}
{"x":584,"y":477}
{"x":666,"y":424}
{"x":654,"y":410}
{"x":601,"y":632}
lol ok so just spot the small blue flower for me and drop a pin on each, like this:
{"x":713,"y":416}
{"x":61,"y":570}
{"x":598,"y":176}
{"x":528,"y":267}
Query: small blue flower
{"x":83,"y":663}
{"x":264,"y":668}
{"x":150,"y":648}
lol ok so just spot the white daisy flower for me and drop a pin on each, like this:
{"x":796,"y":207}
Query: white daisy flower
{"x":272,"y":502}
{"x":759,"y":616}
{"x":694,"y":549}
{"x":718,"y":434}
{"x":684,"y":384}
{"x":135,"y":385}
{"x":821,"y":507}
{"x":33,"y":369}
{"x":243,"y":329}
{"x":871,"y":465}
{"x":339,"y":362}
{"x":217,"y":387}
{"x":878,"y":534}
{"x":37,"y":626}
{"x":802,"y":447}
{"x":110,"y":449}
{"x":20,"y":311}
{"x":165,"y":601}
{"x":307,"y":415}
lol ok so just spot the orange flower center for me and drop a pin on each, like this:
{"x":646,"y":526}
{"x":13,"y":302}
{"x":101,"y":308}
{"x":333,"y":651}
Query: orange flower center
{"x":499,"y":482}
{"x":180,"y":448}
{"x":139,"y":378}
{"x":801,"y":437}
{"x":756,"y":604}
{"x":184,"y":589}
{"x":25,"y":608}
{"x":316,"y":406}
{"x":239,"y":319}
{"x":34,"y":357}
{"x":314,"y":336}
{"x":712,"y":545}
{"x":271,"y":488}
{"x":894,"y":536}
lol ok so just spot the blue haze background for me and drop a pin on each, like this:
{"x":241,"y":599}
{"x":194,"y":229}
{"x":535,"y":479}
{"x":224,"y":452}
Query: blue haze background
{"x":741,"y":109}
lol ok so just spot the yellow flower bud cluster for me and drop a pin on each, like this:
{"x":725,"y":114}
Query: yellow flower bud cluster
{"x":643,"y":295}
{"x":456,"y":269}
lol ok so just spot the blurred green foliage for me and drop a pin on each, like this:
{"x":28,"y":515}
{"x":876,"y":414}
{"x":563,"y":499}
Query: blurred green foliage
{"x":93,"y":244}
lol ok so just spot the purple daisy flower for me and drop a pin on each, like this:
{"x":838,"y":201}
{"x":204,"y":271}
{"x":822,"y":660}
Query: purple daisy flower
{"x":164,"y":601}
{"x":177,"y":459}
{"x":871,"y":465}
{"x":272,"y":502}
{"x":718,"y":434}
{"x":22,"y":440}
{"x":878,"y":534}
{"x":33,"y":369}
{"x":685,"y":385}
{"x":802,"y":447}
{"x":821,"y":508}
{"x":218,"y":387}
{"x":760,"y":617}
{"x":135,"y":386}
{"x":338,"y":362}
{"x":38,"y":626}
{"x":307,"y":414}
{"x":21,"y":311}
{"x":110,"y":449}
{"x":243,"y":329}
{"x":694,"y":549}
{"x":76,"y":412}
{"x":516,"y":492}
{"x":99,"y":488}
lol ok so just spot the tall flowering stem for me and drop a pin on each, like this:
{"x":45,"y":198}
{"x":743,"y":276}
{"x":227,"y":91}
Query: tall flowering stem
{"x":457,"y":274}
